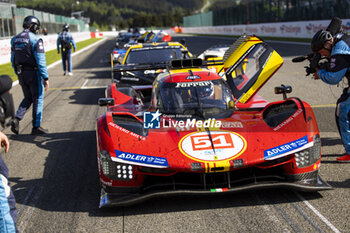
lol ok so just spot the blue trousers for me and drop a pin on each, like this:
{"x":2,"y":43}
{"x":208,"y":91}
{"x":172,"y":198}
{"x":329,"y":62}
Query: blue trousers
{"x":33,"y":91}
{"x":343,"y":120}
{"x":8,"y":213}
{"x":67,"y":60}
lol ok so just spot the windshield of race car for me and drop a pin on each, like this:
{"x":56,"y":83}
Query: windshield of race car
{"x":153,"y":55}
{"x":203,"y":98}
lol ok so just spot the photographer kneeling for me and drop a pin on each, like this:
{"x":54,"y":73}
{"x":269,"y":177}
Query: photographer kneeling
{"x":337,"y":49}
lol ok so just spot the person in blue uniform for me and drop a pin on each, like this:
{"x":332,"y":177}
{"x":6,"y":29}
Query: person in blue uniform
{"x":65,"y":40}
{"x":29,"y":62}
{"x":8,"y":212}
{"x":337,"y":49}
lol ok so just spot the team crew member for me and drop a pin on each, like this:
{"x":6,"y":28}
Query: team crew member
{"x":29,"y":62}
{"x":66,"y":41}
{"x":336,"y":48}
{"x":7,"y":109}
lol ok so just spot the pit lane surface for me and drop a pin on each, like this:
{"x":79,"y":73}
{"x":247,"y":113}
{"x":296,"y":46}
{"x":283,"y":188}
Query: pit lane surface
{"x":55,"y":179}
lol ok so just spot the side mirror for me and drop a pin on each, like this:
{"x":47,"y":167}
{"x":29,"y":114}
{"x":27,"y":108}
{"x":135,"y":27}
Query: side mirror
{"x":230,"y":104}
{"x":105,"y":101}
{"x":283,"y":90}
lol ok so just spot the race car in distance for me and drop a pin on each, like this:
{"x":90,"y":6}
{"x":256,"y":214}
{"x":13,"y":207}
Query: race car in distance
{"x":198,"y":133}
{"x":154,"y":36}
{"x":214,"y":51}
{"x":125,"y":40}
{"x":154,"y":56}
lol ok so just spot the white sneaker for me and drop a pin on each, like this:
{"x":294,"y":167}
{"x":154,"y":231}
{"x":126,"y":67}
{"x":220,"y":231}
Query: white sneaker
{"x":70,"y":74}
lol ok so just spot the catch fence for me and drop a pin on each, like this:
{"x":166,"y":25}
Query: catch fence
{"x":11,"y":21}
{"x":268,"y":11}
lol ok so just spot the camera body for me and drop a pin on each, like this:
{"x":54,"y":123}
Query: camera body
{"x":315,"y":59}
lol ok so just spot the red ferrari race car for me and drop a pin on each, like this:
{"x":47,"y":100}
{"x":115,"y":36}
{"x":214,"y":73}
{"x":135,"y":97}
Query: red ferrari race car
{"x":200,"y":133}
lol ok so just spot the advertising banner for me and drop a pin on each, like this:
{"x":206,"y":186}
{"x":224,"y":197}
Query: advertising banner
{"x":50,"y":43}
{"x":298,"y":29}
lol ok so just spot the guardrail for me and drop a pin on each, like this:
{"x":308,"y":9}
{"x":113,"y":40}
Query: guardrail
{"x":50,"y":43}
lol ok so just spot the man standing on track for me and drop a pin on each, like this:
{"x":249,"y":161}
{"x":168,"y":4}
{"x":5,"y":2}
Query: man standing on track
{"x":29,"y":62}
{"x":66,"y":41}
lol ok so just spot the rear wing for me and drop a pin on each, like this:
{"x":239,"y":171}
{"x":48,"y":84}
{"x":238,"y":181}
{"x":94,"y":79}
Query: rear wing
{"x":172,"y":65}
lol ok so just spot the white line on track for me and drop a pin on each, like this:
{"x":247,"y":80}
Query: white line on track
{"x":269,"y":213}
{"x":25,"y":201}
{"x":324,"y":219}
{"x":83,"y":86}
{"x":90,"y":87}
{"x":28,"y":212}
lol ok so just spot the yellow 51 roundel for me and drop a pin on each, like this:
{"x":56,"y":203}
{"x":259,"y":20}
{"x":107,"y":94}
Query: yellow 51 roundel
{"x":218,"y":146}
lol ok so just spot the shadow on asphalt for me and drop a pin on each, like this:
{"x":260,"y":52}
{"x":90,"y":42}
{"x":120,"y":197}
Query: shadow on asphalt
{"x":94,"y":74}
{"x":84,"y":96}
{"x":331,"y":141}
{"x":70,"y":181}
{"x":343,"y":184}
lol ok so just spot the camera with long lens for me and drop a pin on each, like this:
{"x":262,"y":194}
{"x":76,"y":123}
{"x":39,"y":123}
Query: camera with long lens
{"x":315,"y":59}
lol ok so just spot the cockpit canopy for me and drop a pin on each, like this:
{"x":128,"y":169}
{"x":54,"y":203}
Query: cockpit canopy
{"x":205,"y":99}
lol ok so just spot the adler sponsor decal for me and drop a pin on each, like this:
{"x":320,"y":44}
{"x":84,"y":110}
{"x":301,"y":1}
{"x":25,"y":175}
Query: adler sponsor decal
{"x":141,"y":159}
{"x":284,"y":149}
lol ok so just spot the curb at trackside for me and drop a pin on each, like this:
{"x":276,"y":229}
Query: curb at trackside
{"x":73,"y":54}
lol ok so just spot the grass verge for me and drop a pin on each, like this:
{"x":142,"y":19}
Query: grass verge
{"x":51,"y":57}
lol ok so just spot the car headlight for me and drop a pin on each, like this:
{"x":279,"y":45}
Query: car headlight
{"x":124,"y":171}
{"x":114,"y":170}
{"x":310,"y":155}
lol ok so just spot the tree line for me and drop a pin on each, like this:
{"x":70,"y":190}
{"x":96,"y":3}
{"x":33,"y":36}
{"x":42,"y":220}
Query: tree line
{"x":120,"y":13}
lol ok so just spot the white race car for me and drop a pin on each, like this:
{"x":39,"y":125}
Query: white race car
{"x":214,"y":51}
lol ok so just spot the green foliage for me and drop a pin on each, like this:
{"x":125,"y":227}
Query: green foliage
{"x":222,"y":4}
{"x":7,"y":69}
{"x":121,"y":13}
